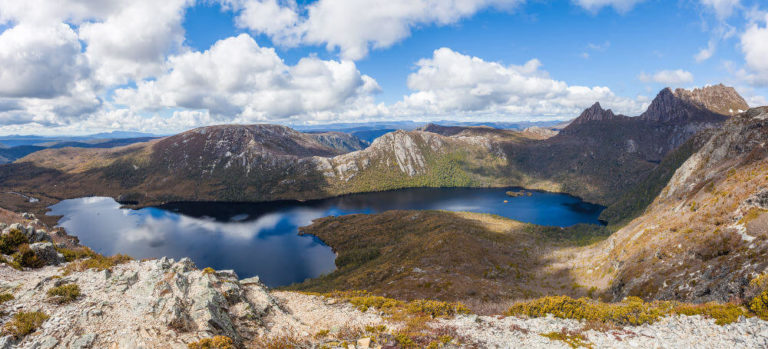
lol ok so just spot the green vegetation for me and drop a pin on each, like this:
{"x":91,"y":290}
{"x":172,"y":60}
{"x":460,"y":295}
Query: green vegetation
{"x":24,"y":323}
{"x":4,"y":297}
{"x":64,"y":294}
{"x":403,"y":253}
{"x":217,"y":342}
{"x":10,"y":243}
{"x":632,"y":311}
{"x":26,"y":258}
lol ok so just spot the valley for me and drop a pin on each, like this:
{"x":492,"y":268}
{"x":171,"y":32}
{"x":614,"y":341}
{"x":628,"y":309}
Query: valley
{"x":400,"y":224}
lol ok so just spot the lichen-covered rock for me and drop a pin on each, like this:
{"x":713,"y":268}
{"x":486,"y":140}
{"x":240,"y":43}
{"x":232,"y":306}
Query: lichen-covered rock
{"x":47,"y":253}
{"x":151,"y":304}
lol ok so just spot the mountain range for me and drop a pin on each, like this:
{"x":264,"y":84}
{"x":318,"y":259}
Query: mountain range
{"x":599,"y":156}
{"x":683,"y":249}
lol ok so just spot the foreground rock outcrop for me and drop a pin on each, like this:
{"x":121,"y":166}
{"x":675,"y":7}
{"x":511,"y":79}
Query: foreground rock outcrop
{"x":169,"y":304}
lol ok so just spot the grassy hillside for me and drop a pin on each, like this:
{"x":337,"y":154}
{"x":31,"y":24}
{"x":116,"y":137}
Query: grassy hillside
{"x":446,"y":255}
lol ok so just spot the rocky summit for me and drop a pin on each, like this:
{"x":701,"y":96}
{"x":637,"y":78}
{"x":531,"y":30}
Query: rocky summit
{"x":171,"y":304}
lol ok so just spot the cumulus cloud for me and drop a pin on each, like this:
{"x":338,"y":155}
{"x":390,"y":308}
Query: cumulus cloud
{"x":754,"y":45}
{"x":237,"y":77}
{"x":668,"y":77}
{"x":620,"y":6}
{"x":354,"y":26}
{"x":132,"y":42}
{"x":453,"y":83}
{"x":722,"y":8}
{"x":39,"y":62}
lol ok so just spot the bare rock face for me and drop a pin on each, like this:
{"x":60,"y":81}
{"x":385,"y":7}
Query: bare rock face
{"x":597,"y":113}
{"x":343,"y":142}
{"x":536,"y":132}
{"x":711,"y":103}
{"x":743,"y":134}
{"x":47,"y":253}
{"x":400,"y":148}
{"x":151,"y":304}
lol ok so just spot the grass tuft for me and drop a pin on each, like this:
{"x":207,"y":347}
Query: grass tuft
{"x":64,"y":294}
{"x":5,"y":297}
{"x":97,"y":262}
{"x":24,"y":323}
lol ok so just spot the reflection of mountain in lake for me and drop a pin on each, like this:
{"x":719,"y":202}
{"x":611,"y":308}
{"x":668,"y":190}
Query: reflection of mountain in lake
{"x":262,"y":238}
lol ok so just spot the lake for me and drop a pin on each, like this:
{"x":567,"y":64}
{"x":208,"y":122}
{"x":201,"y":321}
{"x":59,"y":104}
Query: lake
{"x":262,"y":238}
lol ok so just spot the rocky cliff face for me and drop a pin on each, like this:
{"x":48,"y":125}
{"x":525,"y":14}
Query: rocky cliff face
{"x":597,"y":113}
{"x":706,"y":235}
{"x":343,"y":142}
{"x":711,"y":103}
{"x":407,"y":151}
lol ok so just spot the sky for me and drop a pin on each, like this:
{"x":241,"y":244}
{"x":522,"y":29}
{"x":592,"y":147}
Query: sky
{"x":86,"y":66}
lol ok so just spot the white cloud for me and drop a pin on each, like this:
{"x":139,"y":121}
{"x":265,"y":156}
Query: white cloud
{"x":132,"y":43}
{"x":706,"y":53}
{"x":722,"y":8}
{"x":668,"y":77}
{"x":238,"y":78}
{"x":268,"y":17}
{"x":452,"y":83}
{"x":620,"y":6}
{"x":754,"y":45}
{"x":39,"y":62}
{"x":44,"y":12}
{"x":354,"y":26}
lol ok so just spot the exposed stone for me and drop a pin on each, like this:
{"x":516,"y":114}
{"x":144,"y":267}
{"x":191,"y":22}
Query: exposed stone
{"x":47,"y":252}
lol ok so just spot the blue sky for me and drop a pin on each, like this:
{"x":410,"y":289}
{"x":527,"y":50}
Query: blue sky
{"x":277,"y":61}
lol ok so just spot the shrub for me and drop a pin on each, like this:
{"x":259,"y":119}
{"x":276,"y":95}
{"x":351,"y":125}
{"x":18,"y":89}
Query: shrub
{"x":722,"y":313}
{"x":217,"y":342}
{"x":631,"y":311}
{"x":437,"y":308}
{"x":362,"y":300}
{"x":208,"y":270}
{"x":97,"y":262}
{"x":759,"y":305}
{"x":4,"y":297}
{"x":64,"y":293}
{"x":26,"y":258}
{"x":24,"y":323}
{"x":10,"y":243}
{"x":73,"y":254}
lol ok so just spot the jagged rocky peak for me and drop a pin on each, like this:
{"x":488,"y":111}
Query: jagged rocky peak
{"x":709,"y":103}
{"x":718,"y":98}
{"x":596,"y":113}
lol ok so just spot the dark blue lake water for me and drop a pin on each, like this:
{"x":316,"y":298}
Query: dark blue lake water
{"x":262,"y":238}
